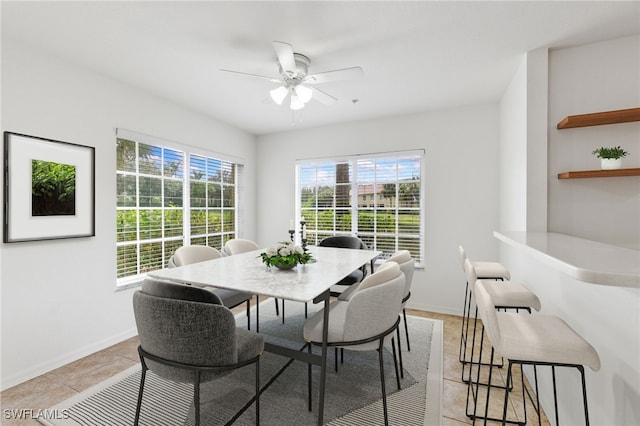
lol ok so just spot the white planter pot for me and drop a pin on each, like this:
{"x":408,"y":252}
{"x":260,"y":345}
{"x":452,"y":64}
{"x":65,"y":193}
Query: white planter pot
{"x":610,"y":163}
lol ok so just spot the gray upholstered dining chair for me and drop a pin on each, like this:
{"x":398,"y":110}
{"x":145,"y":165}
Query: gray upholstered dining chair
{"x":350,"y":242}
{"x":364,"y":322}
{"x":188,"y":336}
{"x":187,"y":255}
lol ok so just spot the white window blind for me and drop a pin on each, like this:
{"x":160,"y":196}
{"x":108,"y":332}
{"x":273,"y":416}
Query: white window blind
{"x":379,"y":198}
{"x":168,"y":197}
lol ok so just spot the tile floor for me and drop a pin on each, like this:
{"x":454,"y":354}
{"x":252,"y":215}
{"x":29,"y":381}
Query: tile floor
{"x":49,"y":389}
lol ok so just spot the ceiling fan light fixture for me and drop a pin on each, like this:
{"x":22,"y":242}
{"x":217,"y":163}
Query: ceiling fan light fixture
{"x":296,"y":103}
{"x":279,"y":94}
{"x":304,"y":93}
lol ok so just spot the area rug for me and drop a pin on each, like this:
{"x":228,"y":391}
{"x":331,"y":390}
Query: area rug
{"x":353,"y":394}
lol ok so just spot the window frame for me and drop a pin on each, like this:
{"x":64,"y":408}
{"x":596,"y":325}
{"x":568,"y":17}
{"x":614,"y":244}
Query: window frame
{"x":355,"y":208}
{"x":185,"y":236}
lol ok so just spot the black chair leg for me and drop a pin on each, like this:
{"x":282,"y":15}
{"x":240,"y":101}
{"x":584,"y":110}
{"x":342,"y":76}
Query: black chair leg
{"x":248,"y":314}
{"x":140,"y":391}
{"x":406,"y":329}
{"x":384,"y":392}
{"x":395,"y":360}
{"x":258,"y":392}
{"x":283,"y":311}
{"x":277,"y":307}
{"x":584,"y":394}
{"x":400,"y":353}
{"x":462,"y":354}
{"x":310,"y":387}
{"x":196,"y":397}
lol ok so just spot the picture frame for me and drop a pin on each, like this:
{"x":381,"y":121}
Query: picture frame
{"x":49,"y":189}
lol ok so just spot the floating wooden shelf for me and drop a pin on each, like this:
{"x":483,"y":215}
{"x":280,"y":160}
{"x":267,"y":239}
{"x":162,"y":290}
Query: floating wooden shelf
{"x":600,"y":118}
{"x":599,"y":173}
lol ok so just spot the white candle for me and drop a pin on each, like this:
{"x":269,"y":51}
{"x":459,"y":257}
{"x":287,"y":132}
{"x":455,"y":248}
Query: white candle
{"x":291,"y":225}
{"x":304,"y":232}
{"x":302,"y":219}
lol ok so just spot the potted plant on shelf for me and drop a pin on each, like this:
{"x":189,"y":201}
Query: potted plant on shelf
{"x":610,"y":157}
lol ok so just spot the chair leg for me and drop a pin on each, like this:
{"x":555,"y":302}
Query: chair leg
{"x":584,"y":394}
{"x":140,"y":391}
{"x":257,"y":314}
{"x":258,"y":392}
{"x":395,"y":360}
{"x":384,"y":392}
{"x":277,"y":307}
{"x":463,"y":335}
{"x":283,"y":311}
{"x":248,"y":314}
{"x":555,"y":393}
{"x":336,"y":358}
{"x":310,"y":386}
{"x":400,"y":353}
{"x":406,"y":329}
{"x":196,"y":397}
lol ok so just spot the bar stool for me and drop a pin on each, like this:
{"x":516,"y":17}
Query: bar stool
{"x":538,"y":340}
{"x":508,"y":295}
{"x":484,"y":271}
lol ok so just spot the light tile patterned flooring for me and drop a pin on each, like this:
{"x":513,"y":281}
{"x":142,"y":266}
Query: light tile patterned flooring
{"x":54,"y":387}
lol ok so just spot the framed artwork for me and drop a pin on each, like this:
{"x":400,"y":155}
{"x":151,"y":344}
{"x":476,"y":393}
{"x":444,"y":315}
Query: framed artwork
{"x":49,"y":189}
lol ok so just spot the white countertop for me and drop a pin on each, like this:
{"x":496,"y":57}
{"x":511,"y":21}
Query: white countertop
{"x":246,"y":272}
{"x":584,"y":260}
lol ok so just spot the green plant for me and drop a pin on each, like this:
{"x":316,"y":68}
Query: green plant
{"x":610,"y":152}
{"x":285,"y":255}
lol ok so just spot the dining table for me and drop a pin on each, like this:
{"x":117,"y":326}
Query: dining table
{"x":310,"y":282}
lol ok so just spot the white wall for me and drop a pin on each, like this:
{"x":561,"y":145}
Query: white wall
{"x":523,"y":146}
{"x":58,"y":297}
{"x":591,"y":78}
{"x":461,"y":162}
{"x":513,"y":153}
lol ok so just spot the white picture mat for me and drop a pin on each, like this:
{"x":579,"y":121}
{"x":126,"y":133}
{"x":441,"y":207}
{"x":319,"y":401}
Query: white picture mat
{"x":21,"y":224}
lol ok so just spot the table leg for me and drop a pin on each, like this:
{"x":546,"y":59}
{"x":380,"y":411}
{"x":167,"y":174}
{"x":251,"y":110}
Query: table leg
{"x":323,"y":366}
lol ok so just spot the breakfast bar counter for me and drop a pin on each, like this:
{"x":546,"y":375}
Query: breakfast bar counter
{"x":595,"y":288}
{"x":585,"y":260}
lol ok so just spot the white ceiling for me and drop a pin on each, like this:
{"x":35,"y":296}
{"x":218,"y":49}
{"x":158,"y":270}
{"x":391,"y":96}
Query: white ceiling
{"x":416,"y":56}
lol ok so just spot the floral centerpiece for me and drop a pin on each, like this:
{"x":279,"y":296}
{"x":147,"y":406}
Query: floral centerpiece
{"x":285,"y":255}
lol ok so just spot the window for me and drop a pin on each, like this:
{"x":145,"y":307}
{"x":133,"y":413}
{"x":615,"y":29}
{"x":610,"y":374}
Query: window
{"x":379,"y":198}
{"x":162,"y":205}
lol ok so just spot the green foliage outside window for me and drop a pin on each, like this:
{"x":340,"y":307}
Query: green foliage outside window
{"x":151,"y":220}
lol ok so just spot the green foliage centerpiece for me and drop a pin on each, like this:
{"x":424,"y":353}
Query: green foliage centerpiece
{"x":285,"y":255}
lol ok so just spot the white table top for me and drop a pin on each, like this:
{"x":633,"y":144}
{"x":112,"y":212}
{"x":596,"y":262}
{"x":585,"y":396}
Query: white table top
{"x":584,"y":260}
{"x":246,"y":272}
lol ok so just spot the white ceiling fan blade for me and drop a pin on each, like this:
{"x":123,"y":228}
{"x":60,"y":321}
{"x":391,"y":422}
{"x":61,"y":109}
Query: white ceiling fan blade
{"x":284,"y":51}
{"x":264,"y":77}
{"x":323,"y":97}
{"x":335,"y":75}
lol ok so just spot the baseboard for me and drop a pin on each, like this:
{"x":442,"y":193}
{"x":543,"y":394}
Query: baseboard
{"x":43,"y":368}
{"x":434,"y":308}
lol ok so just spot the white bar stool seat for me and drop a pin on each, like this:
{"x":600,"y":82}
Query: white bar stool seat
{"x":505,"y":295}
{"x":484,"y":270}
{"x":531,"y":340}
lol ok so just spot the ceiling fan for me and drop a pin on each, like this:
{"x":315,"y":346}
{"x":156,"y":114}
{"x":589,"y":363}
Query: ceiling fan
{"x":295,"y":81}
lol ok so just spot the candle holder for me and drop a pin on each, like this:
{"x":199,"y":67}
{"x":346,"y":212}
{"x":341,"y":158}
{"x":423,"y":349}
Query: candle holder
{"x":291,"y":233}
{"x":303,"y":233}
{"x":304,"y":244}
